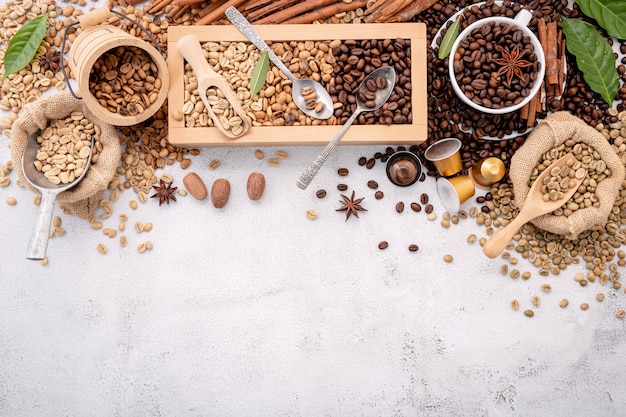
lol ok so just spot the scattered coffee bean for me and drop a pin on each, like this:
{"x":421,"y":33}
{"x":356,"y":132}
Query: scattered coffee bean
{"x":429,"y":208}
{"x":378,"y":195}
{"x":416,"y":207}
{"x":400,"y":207}
{"x":529,"y":313}
{"x":320,"y":193}
{"x":342,"y":187}
{"x":564,"y":303}
{"x":370,"y":163}
{"x":311,"y":214}
{"x":362,"y":161}
{"x":424,"y":198}
{"x":383,"y":245}
{"x":372,"y":184}
{"x":342,"y":172}
{"x":448,"y":258}
{"x":413,"y":248}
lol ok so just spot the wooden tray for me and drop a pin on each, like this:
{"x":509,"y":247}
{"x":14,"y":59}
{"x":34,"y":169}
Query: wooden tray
{"x":413,"y":133}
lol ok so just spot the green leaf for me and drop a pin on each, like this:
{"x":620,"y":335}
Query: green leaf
{"x":450,"y":37}
{"x":610,"y":15}
{"x":259,"y":73}
{"x":24,"y":44}
{"x":594,"y":57}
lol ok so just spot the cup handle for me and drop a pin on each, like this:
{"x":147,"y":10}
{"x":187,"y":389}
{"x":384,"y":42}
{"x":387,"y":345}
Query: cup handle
{"x":524,"y":17}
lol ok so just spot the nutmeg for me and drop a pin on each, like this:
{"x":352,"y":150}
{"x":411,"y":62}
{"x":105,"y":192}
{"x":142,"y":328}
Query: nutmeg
{"x":256,"y":185}
{"x":220,"y":192}
{"x":195,"y":186}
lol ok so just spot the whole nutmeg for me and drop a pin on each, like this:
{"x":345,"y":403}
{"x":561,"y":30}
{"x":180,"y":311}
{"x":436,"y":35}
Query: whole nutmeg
{"x":256,"y":185}
{"x":220,"y":192}
{"x":195,"y":186}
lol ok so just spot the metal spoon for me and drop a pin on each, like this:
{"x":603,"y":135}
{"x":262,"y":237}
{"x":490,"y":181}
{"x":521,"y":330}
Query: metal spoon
{"x":534,"y":206}
{"x":382,"y":95}
{"x":39,"y":241}
{"x":248,"y":31}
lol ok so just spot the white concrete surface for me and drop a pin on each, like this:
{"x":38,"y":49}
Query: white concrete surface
{"x":255,"y":310}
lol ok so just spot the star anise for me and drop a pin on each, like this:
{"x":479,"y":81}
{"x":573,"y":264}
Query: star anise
{"x":164,"y":192}
{"x":351,"y":206}
{"x":51,"y":60}
{"x":512,"y":63}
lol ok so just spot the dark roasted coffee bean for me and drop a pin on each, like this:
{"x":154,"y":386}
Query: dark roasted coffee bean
{"x":342,"y":187}
{"x":320,"y":193}
{"x":362,"y":161}
{"x":429,"y":208}
{"x":370,"y":163}
{"x":372,"y":184}
{"x":413,"y":248}
{"x":416,"y":207}
{"x":371,"y":85}
{"x":383,"y":245}
{"x":424,"y":198}
{"x":342,"y":172}
{"x":381,"y":82}
{"x":400,"y":207}
{"x":378,"y":195}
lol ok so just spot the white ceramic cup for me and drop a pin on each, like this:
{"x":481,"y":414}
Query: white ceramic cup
{"x":521,"y":21}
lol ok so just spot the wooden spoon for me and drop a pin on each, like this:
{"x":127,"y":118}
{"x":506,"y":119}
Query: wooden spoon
{"x":189,"y":47}
{"x":534,"y":206}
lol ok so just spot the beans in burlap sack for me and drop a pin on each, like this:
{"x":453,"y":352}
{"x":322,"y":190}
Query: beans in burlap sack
{"x":550,"y":133}
{"x":83,"y":199}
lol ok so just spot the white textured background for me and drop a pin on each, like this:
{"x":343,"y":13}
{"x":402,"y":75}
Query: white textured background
{"x":254,"y":310}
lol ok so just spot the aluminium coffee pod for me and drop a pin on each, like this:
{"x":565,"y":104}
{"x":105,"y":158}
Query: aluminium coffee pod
{"x":445,"y":154}
{"x":487,"y":172}
{"x":455,"y":191}
{"x":403,"y":168}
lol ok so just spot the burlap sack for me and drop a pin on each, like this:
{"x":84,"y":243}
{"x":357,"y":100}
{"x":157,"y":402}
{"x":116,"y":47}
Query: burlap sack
{"x":83,"y":199}
{"x":554,"y":130}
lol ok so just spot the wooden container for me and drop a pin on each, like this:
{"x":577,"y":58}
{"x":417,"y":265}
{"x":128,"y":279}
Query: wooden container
{"x":85,"y":51}
{"x":407,"y":134}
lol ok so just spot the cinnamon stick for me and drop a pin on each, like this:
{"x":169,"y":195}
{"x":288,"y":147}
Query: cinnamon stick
{"x":188,"y":2}
{"x":412,"y":10}
{"x":391,"y":9}
{"x":158,"y":5}
{"x":207,"y":9}
{"x":219,"y":12}
{"x":295,"y":10}
{"x":270,"y":8}
{"x":552,"y":70}
{"x":325,"y":12}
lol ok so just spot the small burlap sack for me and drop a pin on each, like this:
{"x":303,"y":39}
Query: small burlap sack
{"x":551,"y":132}
{"x":83,"y":199}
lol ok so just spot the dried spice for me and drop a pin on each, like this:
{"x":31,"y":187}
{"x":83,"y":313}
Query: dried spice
{"x":351,"y":206}
{"x":50,"y":61}
{"x":164,"y":192}
{"x":512,"y":64}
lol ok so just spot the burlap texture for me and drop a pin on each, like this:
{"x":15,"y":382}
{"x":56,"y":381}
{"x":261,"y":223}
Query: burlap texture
{"x":551,"y":132}
{"x":83,"y":199}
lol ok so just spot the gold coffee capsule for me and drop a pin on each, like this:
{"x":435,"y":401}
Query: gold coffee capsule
{"x":487,"y":172}
{"x":445,"y":155}
{"x":455,"y":191}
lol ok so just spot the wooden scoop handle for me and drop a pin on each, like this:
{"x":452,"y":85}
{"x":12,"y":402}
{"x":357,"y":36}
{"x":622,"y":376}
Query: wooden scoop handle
{"x":189,"y":47}
{"x":496,"y":244}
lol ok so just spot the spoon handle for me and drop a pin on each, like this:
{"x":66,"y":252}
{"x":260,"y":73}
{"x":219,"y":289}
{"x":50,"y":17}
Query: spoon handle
{"x":38,"y":243}
{"x":253,"y":36}
{"x":308,"y":175}
{"x":496,"y":243}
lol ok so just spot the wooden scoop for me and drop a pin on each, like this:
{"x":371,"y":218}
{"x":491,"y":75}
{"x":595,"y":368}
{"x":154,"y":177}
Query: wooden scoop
{"x":189,"y":47}
{"x":534,"y":206}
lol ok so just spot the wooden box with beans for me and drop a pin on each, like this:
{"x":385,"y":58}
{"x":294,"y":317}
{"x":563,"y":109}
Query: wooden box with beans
{"x":339,"y":65}
{"x":338,"y":58}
